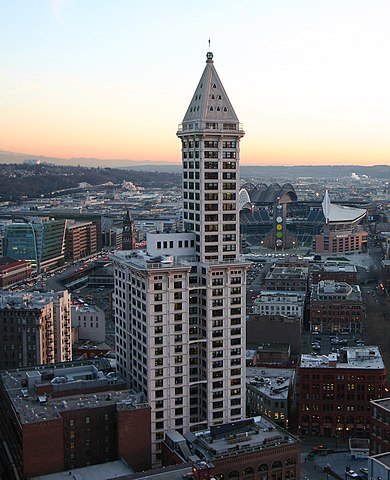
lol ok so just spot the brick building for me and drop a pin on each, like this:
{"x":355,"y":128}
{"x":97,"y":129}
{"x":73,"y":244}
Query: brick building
{"x":336,"y":307}
{"x":68,"y":416}
{"x":252,"y":448}
{"x":287,"y":279}
{"x":335,"y":392}
{"x":334,"y":271}
{"x":80,"y":240}
{"x":13,"y":271}
{"x":36,"y":328}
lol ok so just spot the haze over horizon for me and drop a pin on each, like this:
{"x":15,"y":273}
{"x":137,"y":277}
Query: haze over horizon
{"x":91,"y":79}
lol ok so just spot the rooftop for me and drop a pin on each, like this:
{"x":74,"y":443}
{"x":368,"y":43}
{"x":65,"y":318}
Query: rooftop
{"x":239,"y":437}
{"x":102,"y":471}
{"x":274,"y":382}
{"x":23,"y":300}
{"x":335,"y":267}
{"x":383,"y":458}
{"x":383,"y":403}
{"x":42,"y":393}
{"x":368,"y":357}
{"x":330,"y":290}
{"x":288,"y":272}
{"x":140,"y":259}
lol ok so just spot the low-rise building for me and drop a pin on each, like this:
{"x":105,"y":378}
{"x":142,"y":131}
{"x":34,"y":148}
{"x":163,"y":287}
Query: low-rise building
{"x":13,"y":271}
{"x":380,"y":425}
{"x":335,"y":391}
{"x":90,"y":322}
{"x":238,"y":450}
{"x":287,"y":279}
{"x":339,"y":272}
{"x":66,"y":416}
{"x":336,"y":307}
{"x":269,"y":392}
{"x":284,"y":303}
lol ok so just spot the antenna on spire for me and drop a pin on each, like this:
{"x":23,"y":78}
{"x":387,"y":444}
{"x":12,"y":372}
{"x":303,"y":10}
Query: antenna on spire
{"x":209,"y":44}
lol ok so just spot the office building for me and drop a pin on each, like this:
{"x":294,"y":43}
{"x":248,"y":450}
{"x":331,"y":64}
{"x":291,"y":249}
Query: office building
{"x":335,"y":391}
{"x":66,"y":416}
{"x":283,"y":303}
{"x":336,"y":307}
{"x":180,"y":306}
{"x":38,"y":240}
{"x":286,"y":278}
{"x":80,"y":240}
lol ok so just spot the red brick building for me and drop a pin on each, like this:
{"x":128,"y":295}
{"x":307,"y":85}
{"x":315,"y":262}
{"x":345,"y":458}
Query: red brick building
{"x":13,"y":271}
{"x":335,"y":393}
{"x":336,"y":307}
{"x":380,"y":426}
{"x":80,"y":240}
{"x":253,"y":448}
{"x":68,"y":416}
{"x":287,"y":279}
{"x":334,"y":271}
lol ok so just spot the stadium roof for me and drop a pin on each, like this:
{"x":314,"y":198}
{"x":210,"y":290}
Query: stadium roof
{"x":338,"y":213}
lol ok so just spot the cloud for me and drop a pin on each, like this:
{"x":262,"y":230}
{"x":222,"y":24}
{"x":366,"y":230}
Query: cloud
{"x":56,"y":7}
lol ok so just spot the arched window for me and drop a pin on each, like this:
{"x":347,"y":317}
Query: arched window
{"x":234,"y":474}
{"x":291,"y":461}
{"x":276,"y":465}
{"x":262,"y":468}
{"x":248,"y":473}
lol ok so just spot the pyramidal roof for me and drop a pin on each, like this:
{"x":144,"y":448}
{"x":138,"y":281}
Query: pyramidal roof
{"x":210,"y":102}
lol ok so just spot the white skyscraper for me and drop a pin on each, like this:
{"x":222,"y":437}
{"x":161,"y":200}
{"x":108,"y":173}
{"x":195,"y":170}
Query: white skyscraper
{"x":180,"y":307}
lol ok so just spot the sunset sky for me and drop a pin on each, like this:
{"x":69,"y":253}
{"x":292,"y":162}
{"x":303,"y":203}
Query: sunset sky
{"x":112,"y":79}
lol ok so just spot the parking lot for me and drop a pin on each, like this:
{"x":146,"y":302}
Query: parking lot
{"x":323,"y":343}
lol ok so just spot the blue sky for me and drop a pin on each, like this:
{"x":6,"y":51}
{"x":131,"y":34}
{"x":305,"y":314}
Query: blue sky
{"x":112,"y":79}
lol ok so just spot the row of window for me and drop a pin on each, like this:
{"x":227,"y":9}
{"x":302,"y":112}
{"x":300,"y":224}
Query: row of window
{"x":209,"y":144}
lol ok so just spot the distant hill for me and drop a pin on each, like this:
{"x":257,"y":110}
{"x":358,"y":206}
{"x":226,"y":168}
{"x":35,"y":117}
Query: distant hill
{"x":315,"y":171}
{"x":12,"y":157}
{"x":31,"y":181}
{"x":247,"y":171}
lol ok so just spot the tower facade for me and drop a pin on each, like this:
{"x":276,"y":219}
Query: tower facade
{"x":128,"y":235}
{"x":180,"y":306}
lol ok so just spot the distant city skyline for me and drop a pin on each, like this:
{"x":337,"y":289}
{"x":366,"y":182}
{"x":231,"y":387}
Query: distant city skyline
{"x":92,"y":78}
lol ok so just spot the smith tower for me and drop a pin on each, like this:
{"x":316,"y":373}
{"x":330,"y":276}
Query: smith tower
{"x":180,"y":306}
{"x":210,"y":135}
